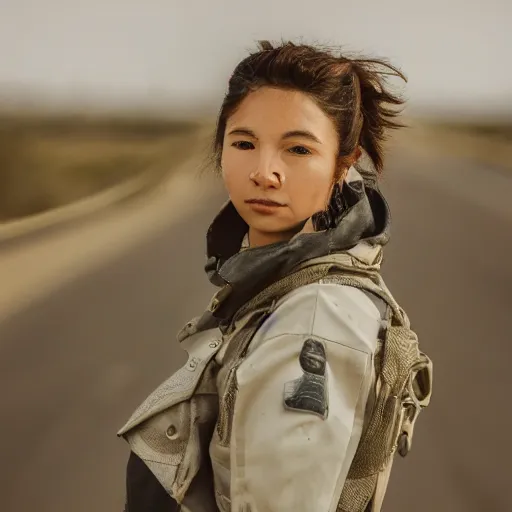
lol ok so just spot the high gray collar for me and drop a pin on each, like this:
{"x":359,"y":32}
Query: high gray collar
{"x":366,"y":218}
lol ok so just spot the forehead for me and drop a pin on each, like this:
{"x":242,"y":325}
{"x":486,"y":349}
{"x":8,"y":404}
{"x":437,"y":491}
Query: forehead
{"x":272,"y":111}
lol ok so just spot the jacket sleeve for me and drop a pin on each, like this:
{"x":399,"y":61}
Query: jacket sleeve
{"x":302,"y":394}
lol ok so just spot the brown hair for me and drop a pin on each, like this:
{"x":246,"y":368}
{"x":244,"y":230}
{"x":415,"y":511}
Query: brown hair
{"x":352,"y":92}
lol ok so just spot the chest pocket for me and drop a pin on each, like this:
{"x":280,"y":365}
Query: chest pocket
{"x":171,"y":429}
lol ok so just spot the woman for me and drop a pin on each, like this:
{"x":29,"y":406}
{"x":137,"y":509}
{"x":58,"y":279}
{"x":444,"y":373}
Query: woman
{"x":284,"y":403}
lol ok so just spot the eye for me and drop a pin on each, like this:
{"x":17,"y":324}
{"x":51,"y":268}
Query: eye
{"x":243,"y":145}
{"x":300,"y":150}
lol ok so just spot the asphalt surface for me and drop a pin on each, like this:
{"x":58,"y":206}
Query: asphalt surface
{"x":75,"y":364}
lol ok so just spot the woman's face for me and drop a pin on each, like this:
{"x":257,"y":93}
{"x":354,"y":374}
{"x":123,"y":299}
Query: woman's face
{"x":278,"y":162}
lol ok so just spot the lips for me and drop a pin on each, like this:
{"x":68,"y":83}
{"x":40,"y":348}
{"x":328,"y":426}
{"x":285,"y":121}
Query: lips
{"x":264,"y":202}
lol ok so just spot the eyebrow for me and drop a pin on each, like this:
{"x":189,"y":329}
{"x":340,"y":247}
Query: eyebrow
{"x":288,"y":135}
{"x":303,"y":134}
{"x":243,"y":131}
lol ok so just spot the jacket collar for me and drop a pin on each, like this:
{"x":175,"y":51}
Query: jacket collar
{"x":247,"y":272}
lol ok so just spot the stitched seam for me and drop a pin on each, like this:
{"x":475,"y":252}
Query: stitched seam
{"x":163,"y":463}
{"x":315,"y":336}
{"x":314,"y":313}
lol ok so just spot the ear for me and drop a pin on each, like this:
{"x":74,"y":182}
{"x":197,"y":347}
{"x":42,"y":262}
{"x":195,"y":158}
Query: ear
{"x":355,"y":156}
{"x":346,"y":163}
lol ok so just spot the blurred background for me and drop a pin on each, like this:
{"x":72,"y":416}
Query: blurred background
{"x":106,"y":109}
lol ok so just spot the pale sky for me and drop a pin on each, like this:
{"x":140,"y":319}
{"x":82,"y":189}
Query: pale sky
{"x":456,"y":53}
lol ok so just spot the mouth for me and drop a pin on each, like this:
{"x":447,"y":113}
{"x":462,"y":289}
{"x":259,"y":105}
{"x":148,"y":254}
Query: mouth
{"x":264,"y":202}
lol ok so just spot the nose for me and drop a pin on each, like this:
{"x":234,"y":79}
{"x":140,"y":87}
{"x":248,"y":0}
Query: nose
{"x":267,"y":176}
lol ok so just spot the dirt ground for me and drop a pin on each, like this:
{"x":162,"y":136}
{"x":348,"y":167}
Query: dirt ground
{"x":50,"y":161}
{"x":479,"y":142}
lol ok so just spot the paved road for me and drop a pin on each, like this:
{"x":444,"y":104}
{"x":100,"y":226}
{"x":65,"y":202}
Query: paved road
{"x":74,"y":365}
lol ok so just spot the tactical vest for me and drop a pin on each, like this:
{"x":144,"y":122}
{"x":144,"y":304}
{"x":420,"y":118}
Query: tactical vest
{"x":171,"y":430}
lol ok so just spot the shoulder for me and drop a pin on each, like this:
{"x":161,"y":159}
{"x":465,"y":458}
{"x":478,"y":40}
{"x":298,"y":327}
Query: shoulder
{"x":327,"y":311}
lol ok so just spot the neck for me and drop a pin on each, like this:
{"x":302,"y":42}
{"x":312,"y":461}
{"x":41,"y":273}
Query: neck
{"x":260,"y":238}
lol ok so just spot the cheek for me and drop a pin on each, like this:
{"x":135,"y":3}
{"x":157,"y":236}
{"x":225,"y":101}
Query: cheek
{"x":309,"y":192}
{"x":232,"y":173}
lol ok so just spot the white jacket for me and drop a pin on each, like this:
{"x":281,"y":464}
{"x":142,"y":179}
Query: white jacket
{"x":283,"y":458}
{"x":294,"y":433}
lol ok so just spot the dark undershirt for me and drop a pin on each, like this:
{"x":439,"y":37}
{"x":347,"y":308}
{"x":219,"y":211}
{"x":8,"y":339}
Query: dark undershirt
{"x":144,"y":493}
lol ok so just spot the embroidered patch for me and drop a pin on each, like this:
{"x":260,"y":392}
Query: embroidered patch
{"x":309,"y":392}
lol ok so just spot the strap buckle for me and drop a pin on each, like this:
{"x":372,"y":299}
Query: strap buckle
{"x":417,"y":397}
